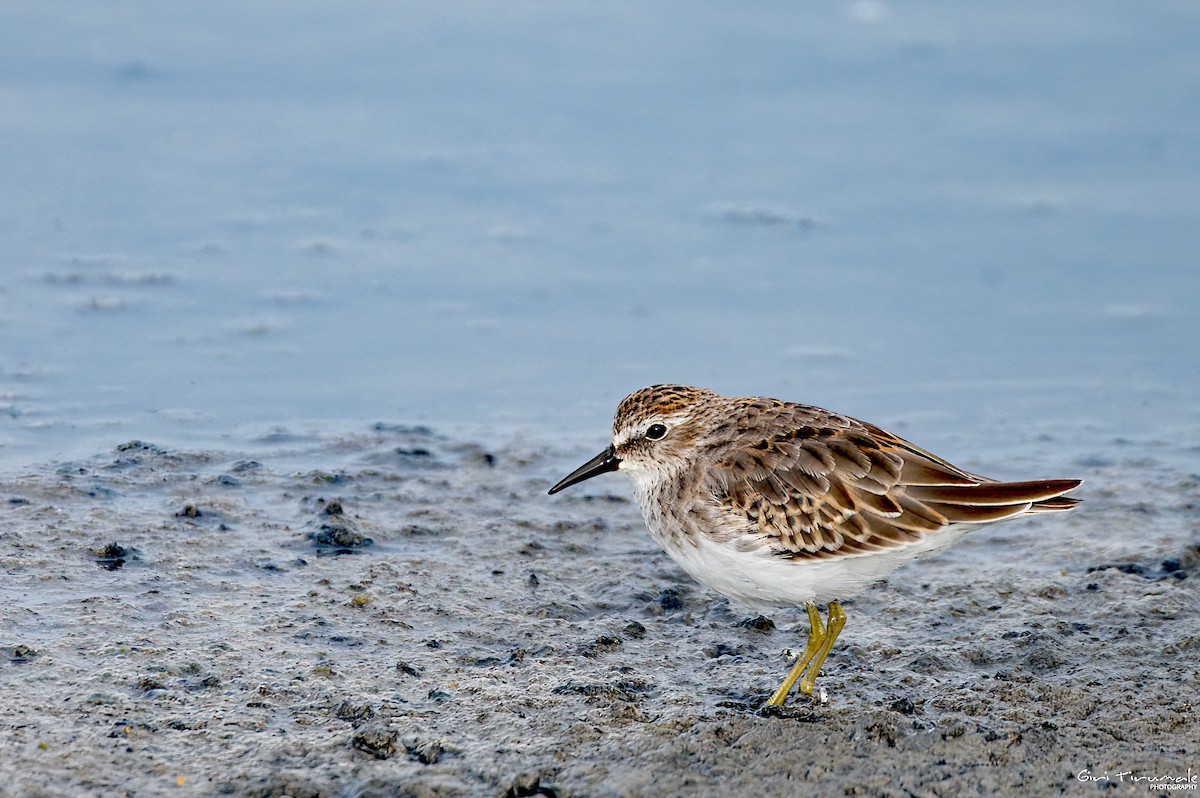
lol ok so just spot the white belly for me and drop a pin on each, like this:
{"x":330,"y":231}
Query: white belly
{"x":761,"y":580}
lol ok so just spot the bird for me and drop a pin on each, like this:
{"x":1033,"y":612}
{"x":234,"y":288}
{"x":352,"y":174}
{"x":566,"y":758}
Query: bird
{"x":776,"y":504}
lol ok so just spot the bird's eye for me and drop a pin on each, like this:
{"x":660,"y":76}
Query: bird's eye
{"x":656,"y":431}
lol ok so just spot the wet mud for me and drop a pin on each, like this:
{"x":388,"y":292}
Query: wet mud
{"x":399,"y":612}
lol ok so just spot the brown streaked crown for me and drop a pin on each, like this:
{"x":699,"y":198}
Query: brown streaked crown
{"x":661,"y":400}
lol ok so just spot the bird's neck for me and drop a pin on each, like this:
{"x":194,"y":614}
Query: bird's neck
{"x":665,"y":504}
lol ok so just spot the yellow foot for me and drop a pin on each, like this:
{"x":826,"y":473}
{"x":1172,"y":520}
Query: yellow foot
{"x":820,"y":640}
{"x":837,"y":620}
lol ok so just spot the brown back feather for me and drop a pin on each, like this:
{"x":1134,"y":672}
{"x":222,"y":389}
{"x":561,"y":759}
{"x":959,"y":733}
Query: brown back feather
{"x":817,"y":484}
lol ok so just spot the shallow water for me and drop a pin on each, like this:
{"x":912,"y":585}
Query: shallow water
{"x":516,"y":213}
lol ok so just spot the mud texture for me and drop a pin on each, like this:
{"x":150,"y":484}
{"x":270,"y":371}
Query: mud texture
{"x":401,"y":613}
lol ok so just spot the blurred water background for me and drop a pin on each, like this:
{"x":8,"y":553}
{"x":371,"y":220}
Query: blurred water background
{"x":221,"y":219}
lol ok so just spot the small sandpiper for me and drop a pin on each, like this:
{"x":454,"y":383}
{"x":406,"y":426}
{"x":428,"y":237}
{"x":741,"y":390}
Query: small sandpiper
{"x":776,"y":504}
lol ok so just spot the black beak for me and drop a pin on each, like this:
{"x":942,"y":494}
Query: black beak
{"x":602,"y":463}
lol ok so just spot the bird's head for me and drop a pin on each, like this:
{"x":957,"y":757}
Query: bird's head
{"x":655,"y":433}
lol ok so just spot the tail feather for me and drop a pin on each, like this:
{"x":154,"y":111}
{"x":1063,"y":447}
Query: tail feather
{"x":994,"y":501}
{"x":1058,"y":505}
{"x":977,"y":514}
{"x":990,"y":494}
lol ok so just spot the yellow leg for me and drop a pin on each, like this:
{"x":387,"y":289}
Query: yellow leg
{"x":816,"y":637}
{"x":837,"y":619}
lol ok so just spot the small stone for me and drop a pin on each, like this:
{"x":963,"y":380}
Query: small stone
{"x":721,"y":650}
{"x":375,"y":739}
{"x":759,"y":623}
{"x":141,"y":446}
{"x":21,"y":654}
{"x":670,"y":599}
{"x":409,"y":669}
{"x":339,"y":535}
{"x":353,"y":712}
{"x":110,"y":551}
{"x":111,"y":556}
{"x":427,"y":753}
{"x":634,"y":630}
{"x":600,"y":645}
{"x":529,"y":784}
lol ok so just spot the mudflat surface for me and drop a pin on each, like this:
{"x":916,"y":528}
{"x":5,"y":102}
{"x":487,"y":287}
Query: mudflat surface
{"x":414,"y":616}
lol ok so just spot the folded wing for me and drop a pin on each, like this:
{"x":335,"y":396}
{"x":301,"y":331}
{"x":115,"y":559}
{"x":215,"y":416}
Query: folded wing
{"x":821,"y":485}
